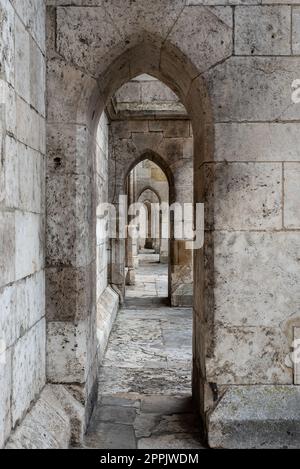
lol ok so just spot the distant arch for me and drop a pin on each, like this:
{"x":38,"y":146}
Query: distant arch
{"x":161,"y":163}
{"x":148,"y":188}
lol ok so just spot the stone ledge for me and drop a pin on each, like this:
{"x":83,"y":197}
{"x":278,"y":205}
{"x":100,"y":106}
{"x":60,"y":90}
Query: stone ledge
{"x":256,"y":417}
{"x":107,"y":309}
{"x":54,"y":422}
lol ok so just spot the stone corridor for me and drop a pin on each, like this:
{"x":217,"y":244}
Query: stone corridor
{"x":145,"y":378}
{"x":108,"y":109}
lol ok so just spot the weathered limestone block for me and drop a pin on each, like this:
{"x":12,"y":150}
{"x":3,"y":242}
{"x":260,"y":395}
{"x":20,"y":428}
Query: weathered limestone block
{"x":124,"y":129}
{"x":262,"y":30}
{"x":107,"y":308}
{"x":292,"y":195}
{"x":2,"y":178}
{"x":171,"y":128}
{"x":22,"y":61}
{"x":73,"y":409}
{"x":54,"y":422}
{"x":256,"y":186}
{"x":249,"y":355}
{"x":256,"y":278}
{"x":69,"y":239}
{"x":28,"y":370}
{"x":136,"y":19}
{"x":32,"y":13}
{"x":7,"y":48}
{"x":254,"y":89}
{"x":81,"y":29}
{"x":171,"y":149}
{"x":69,"y":293}
{"x":69,"y":94}
{"x":24,"y":177}
{"x":30,"y":126}
{"x":29,"y":239}
{"x":263,"y":417}
{"x":257,"y":142}
{"x":207,"y":37}
{"x":275,"y":2}
{"x":7,"y":247}
{"x":8,"y":108}
{"x":5,"y":404}
{"x":67,"y":351}
{"x":68,"y":149}
{"x":37,"y":78}
{"x":129,"y":93}
{"x":225,"y":2}
{"x":125,"y":154}
{"x":183,"y":295}
{"x":296,"y":30}
{"x":30,"y":302}
{"x":147,"y":141}
{"x":11,"y":172}
{"x":32,"y":186}
{"x":21,"y":306}
{"x":8,"y":306}
{"x":173,"y":64}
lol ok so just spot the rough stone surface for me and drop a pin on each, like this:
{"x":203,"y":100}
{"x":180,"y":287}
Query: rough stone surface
{"x":265,"y":417}
{"x":147,"y":405}
{"x":234,"y":68}
{"x":107,"y":308}
{"x":257,"y":142}
{"x":262,"y":98}
{"x":257,"y":186}
{"x":296,"y":30}
{"x":144,"y":350}
{"x":291,"y":195}
{"x":54,"y":422}
{"x":262,"y":30}
{"x":22,"y":209}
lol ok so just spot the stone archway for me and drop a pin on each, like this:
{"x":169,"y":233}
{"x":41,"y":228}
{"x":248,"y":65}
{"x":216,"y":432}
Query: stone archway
{"x":151,"y":189}
{"x":70,"y":189}
{"x":192,"y":54}
{"x":246,"y":156}
{"x":180,"y":265}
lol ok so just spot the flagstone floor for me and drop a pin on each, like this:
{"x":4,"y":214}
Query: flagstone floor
{"x":145,"y":378}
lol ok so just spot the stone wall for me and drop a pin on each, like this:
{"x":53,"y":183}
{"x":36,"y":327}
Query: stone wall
{"x":22,"y":209}
{"x":233,"y":67}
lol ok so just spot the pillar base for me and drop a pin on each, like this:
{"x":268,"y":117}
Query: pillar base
{"x":55,"y":421}
{"x":256,"y":416}
{"x":164,"y":259}
{"x":149,"y":244}
{"x":130,"y":277}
